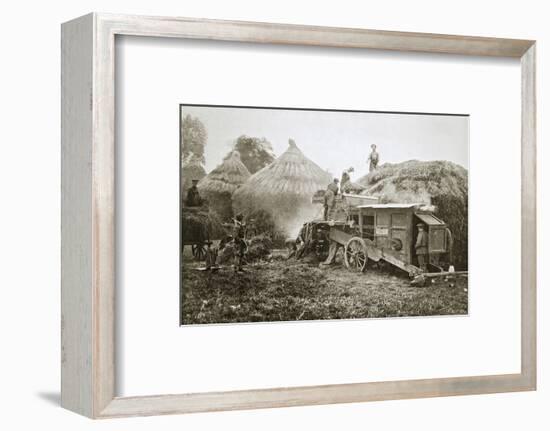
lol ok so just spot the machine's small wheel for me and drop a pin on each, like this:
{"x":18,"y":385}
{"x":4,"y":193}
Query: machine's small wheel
{"x":355,"y":254}
{"x":199,"y":251}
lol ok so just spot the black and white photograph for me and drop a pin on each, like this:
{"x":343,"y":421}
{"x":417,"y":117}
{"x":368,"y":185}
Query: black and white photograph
{"x":251,"y":215}
{"x":310,"y":214}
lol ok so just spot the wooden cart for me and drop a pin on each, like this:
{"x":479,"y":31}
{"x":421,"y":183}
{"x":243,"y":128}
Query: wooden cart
{"x":198,"y":236}
{"x":197,"y":248}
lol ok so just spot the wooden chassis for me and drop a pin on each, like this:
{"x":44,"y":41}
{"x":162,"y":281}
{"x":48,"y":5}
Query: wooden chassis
{"x":88,"y":215}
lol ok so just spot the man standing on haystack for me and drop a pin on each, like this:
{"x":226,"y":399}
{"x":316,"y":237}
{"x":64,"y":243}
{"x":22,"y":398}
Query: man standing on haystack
{"x":193,"y":195}
{"x":421,"y":247}
{"x":373,"y":158}
{"x":330,"y":195}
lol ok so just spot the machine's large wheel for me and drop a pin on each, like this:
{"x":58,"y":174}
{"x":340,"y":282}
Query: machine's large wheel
{"x":355,"y":254}
{"x":199,"y":251}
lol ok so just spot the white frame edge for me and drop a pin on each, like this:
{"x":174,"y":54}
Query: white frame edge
{"x":88,"y":205}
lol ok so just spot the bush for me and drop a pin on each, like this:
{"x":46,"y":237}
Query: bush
{"x":262,"y":224}
{"x":220,"y":203}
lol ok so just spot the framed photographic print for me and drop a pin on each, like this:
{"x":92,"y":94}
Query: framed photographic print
{"x":264,"y":209}
{"x":321,"y":201}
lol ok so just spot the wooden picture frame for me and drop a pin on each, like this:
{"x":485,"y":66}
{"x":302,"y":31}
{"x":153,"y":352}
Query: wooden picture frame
{"x":88,"y":215}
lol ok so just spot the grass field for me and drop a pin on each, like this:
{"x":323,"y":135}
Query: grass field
{"x":289,"y":290}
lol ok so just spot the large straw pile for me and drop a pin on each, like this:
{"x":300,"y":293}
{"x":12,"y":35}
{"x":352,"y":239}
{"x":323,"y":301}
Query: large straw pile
{"x":284,"y":189}
{"x":218,"y":186}
{"x":259,"y":248}
{"x":441,"y":184}
{"x":198,"y":225}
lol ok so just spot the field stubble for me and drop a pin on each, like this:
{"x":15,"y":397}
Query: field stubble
{"x":290,"y":291}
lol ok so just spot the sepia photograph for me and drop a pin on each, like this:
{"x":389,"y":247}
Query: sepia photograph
{"x":291,"y":214}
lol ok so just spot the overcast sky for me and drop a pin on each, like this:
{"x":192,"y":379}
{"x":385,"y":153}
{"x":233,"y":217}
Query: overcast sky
{"x":337,"y":140}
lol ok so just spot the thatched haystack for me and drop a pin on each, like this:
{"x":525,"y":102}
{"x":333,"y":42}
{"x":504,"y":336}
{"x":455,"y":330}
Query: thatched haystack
{"x":218,"y":186}
{"x":191,"y":169}
{"x":439,"y":183}
{"x":284,"y":189}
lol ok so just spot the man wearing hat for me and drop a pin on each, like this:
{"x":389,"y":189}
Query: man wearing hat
{"x":329,"y":198}
{"x":421,"y":247}
{"x":345,"y":181}
{"x":373,"y":159}
{"x":193,"y":196}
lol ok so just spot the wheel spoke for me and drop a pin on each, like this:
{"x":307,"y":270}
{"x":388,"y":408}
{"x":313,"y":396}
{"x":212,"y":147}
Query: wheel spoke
{"x":356,"y":254}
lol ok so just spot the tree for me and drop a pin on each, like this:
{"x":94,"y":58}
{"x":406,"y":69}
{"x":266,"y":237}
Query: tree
{"x":256,"y":153}
{"x":193,"y":137}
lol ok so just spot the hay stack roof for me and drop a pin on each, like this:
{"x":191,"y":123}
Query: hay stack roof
{"x":226,"y":177}
{"x":416,"y":181}
{"x":292,"y":173}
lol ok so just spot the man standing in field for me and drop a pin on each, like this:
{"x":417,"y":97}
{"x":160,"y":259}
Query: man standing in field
{"x":330,"y":194}
{"x":421,"y":247}
{"x":373,"y":158}
{"x":239,"y":229}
